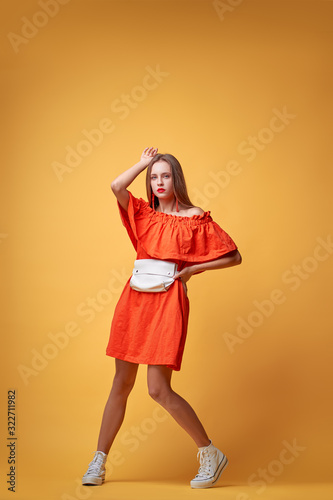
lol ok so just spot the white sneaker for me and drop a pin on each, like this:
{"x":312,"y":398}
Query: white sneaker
{"x":212,"y":463}
{"x":95,"y":474}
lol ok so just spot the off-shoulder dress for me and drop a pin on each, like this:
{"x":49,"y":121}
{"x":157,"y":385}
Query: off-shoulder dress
{"x":147,"y":327}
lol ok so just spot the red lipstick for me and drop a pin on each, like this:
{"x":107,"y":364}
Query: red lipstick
{"x":161,"y":190}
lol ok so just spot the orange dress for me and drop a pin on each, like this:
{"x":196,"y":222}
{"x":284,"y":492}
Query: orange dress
{"x":147,"y":327}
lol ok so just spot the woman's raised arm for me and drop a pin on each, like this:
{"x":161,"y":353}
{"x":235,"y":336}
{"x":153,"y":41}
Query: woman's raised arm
{"x":120,"y":184}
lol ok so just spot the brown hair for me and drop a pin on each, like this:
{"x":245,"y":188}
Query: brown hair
{"x":178,"y":179}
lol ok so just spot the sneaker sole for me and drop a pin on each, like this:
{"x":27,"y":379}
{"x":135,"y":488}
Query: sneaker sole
{"x":208,"y":484}
{"x":92,"y":481}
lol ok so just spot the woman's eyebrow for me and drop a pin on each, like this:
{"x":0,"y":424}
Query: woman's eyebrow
{"x":169,"y":173}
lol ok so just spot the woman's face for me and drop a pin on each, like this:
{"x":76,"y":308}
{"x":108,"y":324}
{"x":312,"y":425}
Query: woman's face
{"x":161,"y":180}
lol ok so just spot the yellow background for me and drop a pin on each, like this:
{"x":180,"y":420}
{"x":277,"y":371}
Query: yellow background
{"x":225,"y":75}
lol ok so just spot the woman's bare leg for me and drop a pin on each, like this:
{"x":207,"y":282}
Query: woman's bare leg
{"x":159,"y":379}
{"x":115,"y":407}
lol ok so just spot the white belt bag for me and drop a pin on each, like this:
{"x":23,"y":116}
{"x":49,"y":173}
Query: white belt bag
{"x":152,"y":275}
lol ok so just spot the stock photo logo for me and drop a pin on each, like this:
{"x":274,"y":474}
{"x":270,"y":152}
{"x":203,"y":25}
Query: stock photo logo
{"x":275,"y":468}
{"x":31,"y":26}
{"x":248,"y":148}
{"x":225,"y":7}
{"x":265,"y":476}
{"x":129,"y":441}
{"x":87,"y":310}
{"x":293,"y":277}
{"x":120,"y":107}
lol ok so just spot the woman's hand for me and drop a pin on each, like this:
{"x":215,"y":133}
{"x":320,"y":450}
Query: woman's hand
{"x":147,"y":155}
{"x":120,"y":184}
{"x":185,"y":274}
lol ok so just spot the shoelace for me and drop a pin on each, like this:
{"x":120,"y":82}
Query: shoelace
{"x":205,"y":467}
{"x":95,"y":466}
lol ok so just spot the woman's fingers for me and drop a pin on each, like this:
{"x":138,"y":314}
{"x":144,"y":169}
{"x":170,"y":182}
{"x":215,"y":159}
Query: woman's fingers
{"x":178,"y":275}
{"x":151,"y":150}
{"x":184,"y":275}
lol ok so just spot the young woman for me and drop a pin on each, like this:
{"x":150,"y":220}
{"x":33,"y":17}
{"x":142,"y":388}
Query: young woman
{"x":150,"y":320}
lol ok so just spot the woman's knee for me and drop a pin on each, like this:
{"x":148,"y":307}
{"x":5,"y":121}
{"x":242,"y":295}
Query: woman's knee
{"x":159,"y":392}
{"x":154,"y":392}
{"x":122,"y":385}
{"x":159,"y":383}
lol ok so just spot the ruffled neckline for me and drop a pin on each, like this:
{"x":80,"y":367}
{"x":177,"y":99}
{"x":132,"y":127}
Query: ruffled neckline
{"x":167,"y":236}
{"x":194,"y":219}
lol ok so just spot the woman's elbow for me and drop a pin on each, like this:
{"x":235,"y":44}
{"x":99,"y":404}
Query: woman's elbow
{"x":114,"y":186}
{"x":238,"y":258}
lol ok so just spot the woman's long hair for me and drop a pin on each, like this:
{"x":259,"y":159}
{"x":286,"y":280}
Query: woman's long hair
{"x":178,"y":179}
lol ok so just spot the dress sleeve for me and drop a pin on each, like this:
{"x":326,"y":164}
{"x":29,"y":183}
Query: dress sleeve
{"x":135,"y":208}
{"x":210,"y":242}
